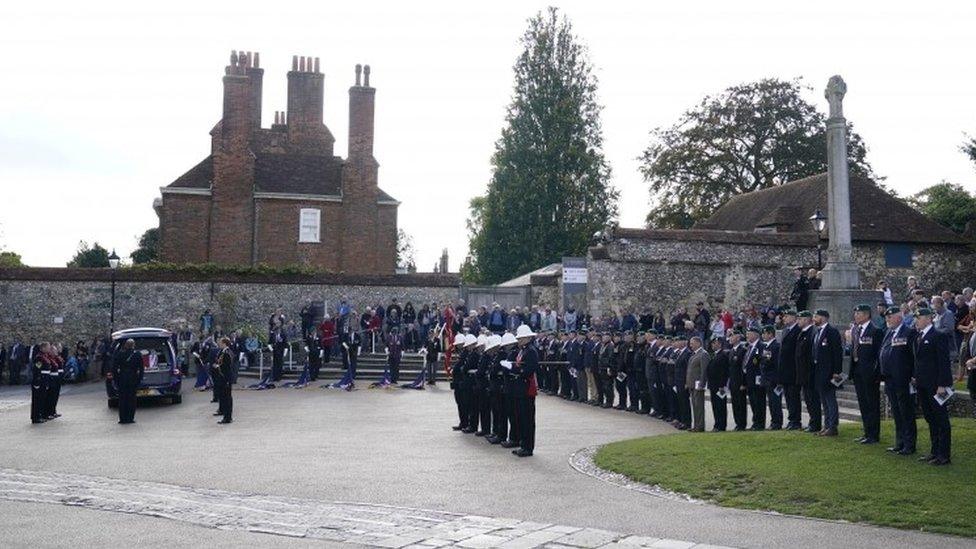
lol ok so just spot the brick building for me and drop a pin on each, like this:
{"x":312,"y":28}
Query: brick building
{"x":279,"y":195}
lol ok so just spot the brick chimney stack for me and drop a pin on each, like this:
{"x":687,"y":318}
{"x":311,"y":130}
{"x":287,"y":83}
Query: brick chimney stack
{"x":237,"y":120}
{"x":305,"y":92}
{"x":255,"y":74}
{"x":362,"y":100}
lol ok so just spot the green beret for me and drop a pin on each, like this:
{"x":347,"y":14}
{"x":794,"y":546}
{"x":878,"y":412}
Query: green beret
{"x":805,"y":314}
{"x":737,"y":332}
{"x":922,"y":311}
{"x":822,"y":312}
{"x":767,"y":329}
{"x":863,"y":308}
{"x":892,"y":311}
{"x":681,"y":337}
{"x":752,"y":329}
{"x":789,"y":312}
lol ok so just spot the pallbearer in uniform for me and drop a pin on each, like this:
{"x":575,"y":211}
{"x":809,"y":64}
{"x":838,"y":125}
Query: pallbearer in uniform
{"x":752,"y":365}
{"x":510,"y":349}
{"x":897,"y":359}
{"x":738,"y":390}
{"x":223,"y":370}
{"x":496,"y":390}
{"x":717,"y":374}
{"x":127,"y":371}
{"x":526,"y":368}
{"x":770,"y":377}
{"x":805,"y":371}
{"x":865,"y":345}
{"x":786,"y":371}
{"x":933,"y":376}
{"x":481,"y":388}
{"x":457,"y":376}
{"x":470,"y":368}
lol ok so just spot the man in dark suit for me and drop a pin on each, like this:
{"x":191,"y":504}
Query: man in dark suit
{"x":804,"y":370}
{"x":770,"y":377}
{"x":865,"y":344}
{"x":650,"y":373}
{"x":786,"y":370}
{"x":933,"y":376}
{"x":828,"y":364}
{"x":897,"y":360}
{"x":737,"y":379}
{"x":526,"y":368}
{"x":682,"y":395}
{"x":127,"y":372}
{"x":717,"y":375}
{"x":752,"y":364}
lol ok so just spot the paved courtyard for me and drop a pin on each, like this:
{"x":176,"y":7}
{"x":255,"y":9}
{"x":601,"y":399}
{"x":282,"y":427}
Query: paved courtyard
{"x":372,"y":467}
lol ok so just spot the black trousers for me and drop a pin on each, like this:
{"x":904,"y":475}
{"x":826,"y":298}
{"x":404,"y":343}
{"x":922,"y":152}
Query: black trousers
{"x":739,"y":407}
{"x":903,"y":412}
{"x":793,"y":406}
{"x":566,"y":385}
{"x":277,"y":366}
{"x":775,"y":407}
{"x":940,"y":431}
{"x":675,"y":412}
{"x":38,"y":400}
{"x":869,"y":403}
{"x":127,"y":401}
{"x":394,"y":371}
{"x":526,"y":413}
{"x":499,"y":417}
{"x":812,"y":399}
{"x":608,"y":389}
{"x":226,"y":400}
{"x":621,"y":392}
{"x":53,"y":394}
{"x":314,"y":367}
{"x":684,"y":406}
{"x":600,"y":386}
{"x":462,"y":408}
{"x":514,"y":418}
{"x":481,"y":410}
{"x":720,"y":411}
{"x":757,"y":402}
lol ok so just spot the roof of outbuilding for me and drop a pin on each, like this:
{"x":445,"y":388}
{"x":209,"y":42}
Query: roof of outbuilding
{"x":876,"y":216}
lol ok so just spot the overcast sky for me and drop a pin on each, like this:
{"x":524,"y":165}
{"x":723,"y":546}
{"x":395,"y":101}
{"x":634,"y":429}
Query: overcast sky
{"x":103,"y":103}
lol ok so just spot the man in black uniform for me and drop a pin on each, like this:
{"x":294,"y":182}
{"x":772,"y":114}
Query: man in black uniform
{"x":279,"y":342}
{"x":897,"y":359}
{"x":678,"y":383}
{"x":666,"y":371}
{"x":752,"y":364}
{"x":458,"y":380}
{"x":604,"y":380}
{"x":496,"y":391}
{"x":650,"y":374}
{"x":786,"y":371}
{"x":637,"y":384}
{"x":770,"y":377}
{"x":222,"y":372}
{"x":39,"y":374}
{"x":933,"y":376}
{"x":737,"y":380}
{"x":509,"y":353}
{"x":621,"y":375}
{"x":805,"y":371}
{"x":127,"y":371}
{"x":314,"y":355}
{"x":828,"y":364}
{"x":865,"y":345}
{"x":717,"y":376}
{"x":526,"y":368}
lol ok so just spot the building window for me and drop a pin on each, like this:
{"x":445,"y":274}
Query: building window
{"x":898,"y":255}
{"x":309,"y":225}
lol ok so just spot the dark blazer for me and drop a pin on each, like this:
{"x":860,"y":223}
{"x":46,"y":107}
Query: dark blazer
{"x":526,"y":366}
{"x":932,"y":367}
{"x":864,"y":362}
{"x":770,"y":363}
{"x":752,"y":363}
{"x":737,"y":377}
{"x":804,"y":355}
{"x":681,"y":367}
{"x":717,"y":372}
{"x":897,"y":357}
{"x":828,"y":355}
{"x":786,"y":368}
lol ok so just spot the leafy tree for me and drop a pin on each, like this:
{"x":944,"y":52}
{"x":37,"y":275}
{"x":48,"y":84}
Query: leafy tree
{"x":148,"y":249}
{"x":949,"y":204}
{"x":10,"y":259}
{"x":89,"y":257}
{"x":549,"y":190}
{"x":969,"y":148}
{"x":406,"y":254}
{"x":749,"y":137}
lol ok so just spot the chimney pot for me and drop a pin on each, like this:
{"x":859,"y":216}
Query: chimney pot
{"x":359,"y":71}
{"x":366,"y":76}
{"x":301,"y":64}
{"x":233,"y":58}
{"x":317,"y":64}
{"x":294,"y":62}
{"x":257,"y":60}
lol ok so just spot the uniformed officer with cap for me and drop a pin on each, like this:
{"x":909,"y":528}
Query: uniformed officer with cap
{"x":805,"y":372}
{"x":752,"y":366}
{"x":680,"y":377}
{"x":897,"y":360}
{"x":738,"y":388}
{"x":864,"y":343}
{"x":770,"y":377}
{"x":786,"y":370}
{"x":933,"y":378}
{"x":828,"y":364}
{"x":458,"y":381}
{"x":526,"y":368}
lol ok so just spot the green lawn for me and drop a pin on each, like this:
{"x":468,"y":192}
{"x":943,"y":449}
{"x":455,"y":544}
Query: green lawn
{"x":961,"y":386}
{"x":800,"y":474}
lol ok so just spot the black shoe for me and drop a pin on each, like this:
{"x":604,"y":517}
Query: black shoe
{"x":860,"y":439}
{"x":894,"y":449}
{"x":224,"y":421}
{"x":508,"y":444}
{"x":926,"y":457}
{"x":792,"y":427}
{"x":218,"y":413}
{"x":758,"y":428}
{"x":467,"y":430}
{"x":39,"y":420}
{"x":775,"y":428}
{"x":940,"y":461}
{"x":739,"y":429}
{"x":812,"y":429}
{"x":457,"y":427}
{"x":905,"y":452}
{"x":56,"y":415}
{"x":869,"y":441}
{"x":521,"y":452}
{"x":494,"y":440}
{"x":480,"y":433}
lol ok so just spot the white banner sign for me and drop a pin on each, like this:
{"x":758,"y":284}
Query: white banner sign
{"x":574,"y":275}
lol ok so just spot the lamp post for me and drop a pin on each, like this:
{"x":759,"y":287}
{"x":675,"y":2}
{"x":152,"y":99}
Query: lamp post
{"x":113,"y":263}
{"x":819,"y":222}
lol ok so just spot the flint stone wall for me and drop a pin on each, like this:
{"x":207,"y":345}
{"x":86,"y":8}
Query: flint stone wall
{"x":61,"y":305}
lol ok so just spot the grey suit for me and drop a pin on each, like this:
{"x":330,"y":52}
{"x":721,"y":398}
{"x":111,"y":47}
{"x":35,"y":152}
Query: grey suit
{"x":697,"y":369}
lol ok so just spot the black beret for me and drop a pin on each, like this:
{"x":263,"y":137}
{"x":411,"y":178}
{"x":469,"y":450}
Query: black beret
{"x":767,"y":329}
{"x":923,"y":311}
{"x":822,"y":312}
{"x":892,"y":311}
{"x":863,"y":308}
{"x":805,"y":314}
{"x":752,"y":329}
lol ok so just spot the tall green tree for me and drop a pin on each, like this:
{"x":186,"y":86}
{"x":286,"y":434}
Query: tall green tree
{"x":10,"y":259}
{"x":948,"y":203}
{"x":89,"y":257}
{"x":148,"y":249}
{"x":550,"y":186}
{"x":969,"y":148}
{"x":746,"y":138}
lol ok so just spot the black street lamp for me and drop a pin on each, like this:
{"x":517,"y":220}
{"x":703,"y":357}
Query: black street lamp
{"x":113,"y":263}
{"x":819,"y":221}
